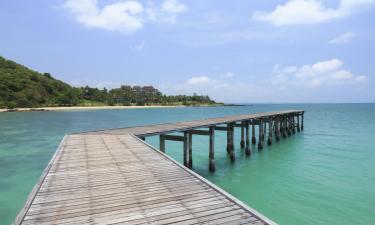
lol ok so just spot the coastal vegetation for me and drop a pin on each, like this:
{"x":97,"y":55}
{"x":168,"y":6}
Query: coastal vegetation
{"x":21,"y":87}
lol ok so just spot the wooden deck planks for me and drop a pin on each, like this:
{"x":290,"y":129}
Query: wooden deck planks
{"x":112,"y":177}
{"x":118,"y":179}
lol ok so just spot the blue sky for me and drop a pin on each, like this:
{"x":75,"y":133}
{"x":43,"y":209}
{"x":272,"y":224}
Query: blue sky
{"x":234,"y":51}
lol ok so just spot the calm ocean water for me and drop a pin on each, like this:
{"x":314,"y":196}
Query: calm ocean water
{"x":325,"y":175}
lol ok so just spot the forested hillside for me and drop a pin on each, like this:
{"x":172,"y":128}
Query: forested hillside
{"x":21,"y":87}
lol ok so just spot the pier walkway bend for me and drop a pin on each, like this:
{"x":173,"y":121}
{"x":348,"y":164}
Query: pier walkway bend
{"x":114,"y":177}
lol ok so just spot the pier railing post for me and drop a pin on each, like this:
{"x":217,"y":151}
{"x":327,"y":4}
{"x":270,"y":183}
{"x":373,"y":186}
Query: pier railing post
{"x":211,"y":163}
{"x":269,"y":141}
{"x":253,"y":138}
{"x":162,"y":143}
{"x":247,"y":142}
{"x":242,"y":143}
{"x":260,"y":144}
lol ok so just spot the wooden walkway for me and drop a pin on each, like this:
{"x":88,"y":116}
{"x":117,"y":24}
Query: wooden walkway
{"x":156,"y":129}
{"x":113,"y":177}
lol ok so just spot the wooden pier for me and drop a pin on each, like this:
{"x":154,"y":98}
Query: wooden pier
{"x":114,"y":177}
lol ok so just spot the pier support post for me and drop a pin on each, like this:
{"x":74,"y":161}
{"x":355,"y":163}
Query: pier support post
{"x":264,"y":128}
{"x":302,"y":121}
{"x":275,"y":125}
{"x":247,"y":142}
{"x":190,"y":150}
{"x":211,"y":163}
{"x":270,"y":129}
{"x":298,"y":127}
{"x":277,"y":128}
{"x":162,"y":143}
{"x":242,"y":143}
{"x":228,"y":138}
{"x":260,"y":144}
{"x":289,"y":131}
{"x":284,"y":126}
{"x":186,"y":148}
{"x":253,"y":138}
{"x":293,"y":123}
{"x":230,"y":143}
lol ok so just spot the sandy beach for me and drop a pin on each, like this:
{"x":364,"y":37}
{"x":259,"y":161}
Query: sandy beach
{"x":73,"y":108}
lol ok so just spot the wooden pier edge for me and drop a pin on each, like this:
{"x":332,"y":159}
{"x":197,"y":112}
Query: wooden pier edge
{"x":21,"y":215}
{"x":216,"y":188}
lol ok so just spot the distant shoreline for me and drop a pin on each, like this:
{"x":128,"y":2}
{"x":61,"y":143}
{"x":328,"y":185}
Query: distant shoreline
{"x":77,"y":108}
{"x":73,"y":108}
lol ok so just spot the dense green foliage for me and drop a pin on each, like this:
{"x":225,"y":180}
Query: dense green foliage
{"x":22,"y":87}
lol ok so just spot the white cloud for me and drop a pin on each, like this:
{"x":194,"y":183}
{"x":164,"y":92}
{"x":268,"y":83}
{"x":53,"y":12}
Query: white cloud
{"x":166,"y":13}
{"x":173,"y":7}
{"x":227,"y":75}
{"x":298,"y":12}
{"x":323,"y":73}
{"x":325,"y":81}
{"x":343,"y":38}
{"x":126,"y":16}
{"x":327,"y":66}
{"x":361,"y":79}
{"x":219,"y":87}
{"x":123,"y":16}
{"x":198,"y":80}
{"x":222,"y":80}
{"x":95,"y":84}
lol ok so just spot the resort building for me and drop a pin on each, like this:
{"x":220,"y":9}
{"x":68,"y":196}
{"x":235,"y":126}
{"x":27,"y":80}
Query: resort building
{"x":127,"y":94}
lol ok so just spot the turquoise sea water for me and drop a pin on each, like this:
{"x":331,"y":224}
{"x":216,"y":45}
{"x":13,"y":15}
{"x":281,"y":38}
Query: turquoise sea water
{"x":325,"y":175}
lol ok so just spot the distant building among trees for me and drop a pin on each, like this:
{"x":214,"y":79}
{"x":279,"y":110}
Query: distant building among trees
{"x":127,"y":94}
